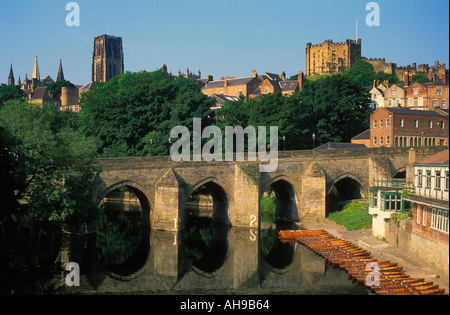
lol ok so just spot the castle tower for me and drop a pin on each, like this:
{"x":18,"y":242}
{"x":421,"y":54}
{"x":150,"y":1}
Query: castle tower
{"x":36,"y":78}
{"x":11,"y":80}
{"x":330,"y":57}
{"x":107,"y":58}
{"x":60,"y":75}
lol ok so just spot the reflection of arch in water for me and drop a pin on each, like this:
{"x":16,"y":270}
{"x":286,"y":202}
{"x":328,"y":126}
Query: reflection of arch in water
{"x":280,"y":255}
{"x":206,"y":243}
{"x":219,"y":197}
{"x":286,"y":198}
{"x":137,"y":260}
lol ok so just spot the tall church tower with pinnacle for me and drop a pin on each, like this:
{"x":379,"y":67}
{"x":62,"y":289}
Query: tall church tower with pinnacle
{"x":107,"y":58}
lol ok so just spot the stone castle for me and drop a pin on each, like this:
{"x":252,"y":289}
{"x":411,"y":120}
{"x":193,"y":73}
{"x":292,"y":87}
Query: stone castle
{"x":330,"y":57}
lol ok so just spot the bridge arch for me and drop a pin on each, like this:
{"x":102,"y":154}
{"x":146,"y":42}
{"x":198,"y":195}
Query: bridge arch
{"x":348,"y":186}
{"x":286,"y":195}
{"x":220,"y":198}
{"x":138,"y":190}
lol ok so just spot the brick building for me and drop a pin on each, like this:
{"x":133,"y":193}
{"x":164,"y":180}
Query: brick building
{"x":330,"y":57}
{"x":253,"y":86}
{"x":403,"y":127}
{"x":430,"y":206}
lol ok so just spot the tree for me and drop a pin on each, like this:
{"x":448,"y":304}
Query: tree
{"x":334,"y":108}
{"x":9,"y":92}
{"x":361,"y":72}
{"x":51,"y":168}
{"x":128,"y":111}
{"x":55,"y":88}
{"x":420,"y":78}
{"x":364,"y":73}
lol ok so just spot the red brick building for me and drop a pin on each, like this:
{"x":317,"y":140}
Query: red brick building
{"x":403,"y":127}
{"x":430,"y":198}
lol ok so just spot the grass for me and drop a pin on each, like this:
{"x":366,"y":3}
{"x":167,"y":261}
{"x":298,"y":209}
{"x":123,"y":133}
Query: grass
{"x":354,"y":216}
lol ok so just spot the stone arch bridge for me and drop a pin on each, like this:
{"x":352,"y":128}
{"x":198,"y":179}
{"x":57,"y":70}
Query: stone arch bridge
{"x":302,"y":182}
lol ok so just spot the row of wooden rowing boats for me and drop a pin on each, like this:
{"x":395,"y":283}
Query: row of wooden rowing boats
{"x":382,"y":277}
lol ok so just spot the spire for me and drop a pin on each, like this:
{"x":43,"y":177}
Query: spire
{"x":11,"y":77}
{"x":25,"y":82}
{"x":19,"y":83}
{"x":36,"y":71}
{"x":60,"y":76}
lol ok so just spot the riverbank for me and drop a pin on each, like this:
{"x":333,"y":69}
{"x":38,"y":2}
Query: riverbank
{"x":379,"y":249}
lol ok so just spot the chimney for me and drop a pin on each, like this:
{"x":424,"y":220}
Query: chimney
{"x":164,"y":68}
{"x":254,"y":73}
{"x":210,"y":78}
{"x":374,"y":83}
{"x":222,"y":78}
{"x":444,"y":77}
{"x":406,"y":79}
{"x":283,"y":76}
{"x":300,"y":80}
{"x":225,"y":83}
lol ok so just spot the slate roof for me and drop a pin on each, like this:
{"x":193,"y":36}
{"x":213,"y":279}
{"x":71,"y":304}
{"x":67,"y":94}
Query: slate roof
{"x":407,"y":111}
{"x":363,"y":135}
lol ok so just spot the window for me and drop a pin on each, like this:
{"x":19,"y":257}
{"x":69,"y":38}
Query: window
{"x":416,"y":91}
{"x":420,"y":101}
{"x":428,"y":179}
{"x":388,"y":122}
{"x":381,"y":123}
{"x":381,"y":140}
{"x":430,"y":124}
{"x":446,"y":181}
{"x":435,"y":103}
{"x":374,"y":123}
{"x":333,"y":52}
{"x":419,"y":178}
{"x":388,"y":140}
{"x":438,"y":180}
{"x":438,"y":92}
{"x":375,"y":140}
{"x":392,"y":202}
{"x":424,"y":216}
{"x":416,"y":123}
{"x":394,"y":92}
{"x":402,"y":122}
{"x":442,"y":124}
{"x":444,"y":104}
{"x":410,"y":102}
{"x":439,"y":220}
{"x":397,"y":102}
{"x":390,"y":103}
{"x":373,"y":202}
{"x":419,"y":210}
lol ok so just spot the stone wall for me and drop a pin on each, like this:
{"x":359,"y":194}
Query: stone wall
{"x":435,"y":254}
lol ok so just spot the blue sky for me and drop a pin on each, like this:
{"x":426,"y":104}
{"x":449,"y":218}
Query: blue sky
{"x":218,"y":37}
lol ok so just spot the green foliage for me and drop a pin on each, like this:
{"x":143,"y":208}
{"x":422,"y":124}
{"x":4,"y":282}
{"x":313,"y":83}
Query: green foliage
{"x":118,"y":236}
{"x":364,"y":73}
{"x":55,"y":88}
{"x":52,"y":170}
{"x":334,"y":108}
{"x":128,"y":111}
{"x":9,"y":92}
{"x":268,"y":209}
{"x":252,"y":171}
{"x":420,"y":78}
{"x":354,"y":216}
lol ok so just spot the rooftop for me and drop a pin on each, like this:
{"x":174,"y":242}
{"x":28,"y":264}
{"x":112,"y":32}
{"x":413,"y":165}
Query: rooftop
{"x":439,"y":158}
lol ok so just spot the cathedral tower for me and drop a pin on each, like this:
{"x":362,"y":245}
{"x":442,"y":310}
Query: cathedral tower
{"x":107,"y":58}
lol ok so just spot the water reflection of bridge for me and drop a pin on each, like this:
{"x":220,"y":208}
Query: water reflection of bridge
{"x":240,"y":266}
